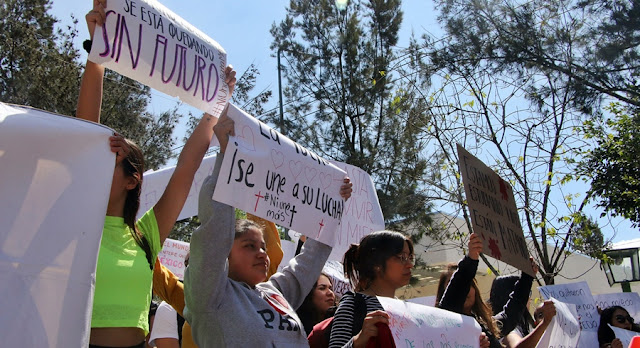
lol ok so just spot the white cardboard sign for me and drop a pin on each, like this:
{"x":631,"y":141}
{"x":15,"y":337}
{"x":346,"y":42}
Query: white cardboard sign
{"x":625,"y":336}
{"x":564,"y":330}
{"x":155,"y":182}
{"x":578,"y":294}
{"x":628,"y":300}
{"x":268,"y":175}
{"x":145,"y":41}
{"x":362,"y":213}
{"x":173,"y":254}
{"x":336,"y":271}
{"x":414,"y":325}
{"x":494,"y":213}
{"x":55,"y":179}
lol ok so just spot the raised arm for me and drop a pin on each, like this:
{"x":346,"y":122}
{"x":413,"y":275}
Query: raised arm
{"x":206,"y":277}
{"x":297,"y":279}
{"x":460,"y":283}
{"x":90,"y":95}
{"x":168,"y":287}
{"x":517,"y":303}
{"x":175,"y":194}
{"x":543,"y":315}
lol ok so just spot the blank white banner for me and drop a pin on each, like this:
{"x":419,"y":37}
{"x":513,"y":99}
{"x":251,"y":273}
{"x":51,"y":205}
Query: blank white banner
{"x":55,"y":176}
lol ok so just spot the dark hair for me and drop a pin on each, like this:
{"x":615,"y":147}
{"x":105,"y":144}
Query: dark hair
{"x":244,"y":225}
{"x":480,"y":309}
{"x":605,"y":334}
{"x":501,"y":288}
{"x":307,"y":312}
{"x":132,"y":165}
{"x":361,"y":260}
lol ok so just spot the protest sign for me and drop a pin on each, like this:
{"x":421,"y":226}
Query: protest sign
{"x":154,"y":183}
{"x":494,"y":213}
{"x":580,"y":295}
{"x":625,"y":336}
{"x":362,"y":213}
{"x":172,"y":256}
{"x":564,"y":329}
{"x":628,"y":300}
{"x":335,"y":270}
{"x":145,"y":41}
{"x":414,"y":325}
{"x":56,"y":176}
{"x":268,"y":175}
{"x":288,"y":253}
{"x":425,"y":300}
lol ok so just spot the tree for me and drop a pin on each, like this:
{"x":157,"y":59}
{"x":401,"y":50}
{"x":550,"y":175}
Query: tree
{"x":510,"y":82}
{"x":343,"y":101}
{"x":254,"y":105}
{"x":593,"y":44}
{"x":612,"y":166}
{"x":588,"y":239}
{"x":124,"y":108}
{"x":38,"y":67}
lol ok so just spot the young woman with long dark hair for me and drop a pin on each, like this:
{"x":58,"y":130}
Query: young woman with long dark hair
{"x":128,"y":248}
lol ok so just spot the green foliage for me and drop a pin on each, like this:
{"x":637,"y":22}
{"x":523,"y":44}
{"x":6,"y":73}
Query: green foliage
{"x":38,"y":66}
{"x":587,"y":237}
{"x":345,"y":100}
{"x":613,"y":165}
{"x":592,"y":46}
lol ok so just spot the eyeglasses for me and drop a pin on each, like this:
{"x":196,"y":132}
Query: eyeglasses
{"x":404,"y":258}
{"x":622,"y":319}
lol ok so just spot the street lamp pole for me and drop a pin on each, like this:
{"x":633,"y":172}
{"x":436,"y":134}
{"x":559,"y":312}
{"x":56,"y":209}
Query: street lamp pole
{"x":281,"y":125}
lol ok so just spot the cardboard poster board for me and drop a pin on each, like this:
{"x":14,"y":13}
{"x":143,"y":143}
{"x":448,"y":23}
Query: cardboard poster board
{"x":173,"y":254}
{"x":578,"y":294}
{"x":414,"y":325}
{"x":564,"y":330}
{"x":493,"y":212}
{"x":268,"y":175}
{"x":362,"y":213}
{"x":145,"y":41}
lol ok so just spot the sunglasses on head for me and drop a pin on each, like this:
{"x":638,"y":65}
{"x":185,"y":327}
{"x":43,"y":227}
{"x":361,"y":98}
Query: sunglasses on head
{"x":622,"y":319}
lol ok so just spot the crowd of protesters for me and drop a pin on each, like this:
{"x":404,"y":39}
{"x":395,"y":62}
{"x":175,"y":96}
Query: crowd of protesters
{"x":229,"y":299}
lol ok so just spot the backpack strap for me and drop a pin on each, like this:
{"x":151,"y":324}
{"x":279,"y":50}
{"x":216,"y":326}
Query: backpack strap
{"x":359,"y":313}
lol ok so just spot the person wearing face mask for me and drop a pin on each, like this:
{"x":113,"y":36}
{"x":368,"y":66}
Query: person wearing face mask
{"x":616,"y":316}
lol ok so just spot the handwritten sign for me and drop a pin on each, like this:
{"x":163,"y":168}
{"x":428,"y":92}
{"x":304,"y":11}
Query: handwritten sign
{"x":145,"y":41}
{"x":625,"y":336}
{"x":335,"y":270}
{"x":362,"y":214}
{"x":493,"y":212}
{"x":56,"y":173}
{"x":628,"y":300}
{"x":414,"y":325}
{"x":155,"y":182}
{"x":425,"y":300}
{"x":578,"y":294}
{"x":267,"y":174}
{"x":173,"y":254}
{"x":564,"y":330}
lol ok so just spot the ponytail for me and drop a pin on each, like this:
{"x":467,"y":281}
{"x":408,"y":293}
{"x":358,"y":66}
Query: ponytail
{"x":350,"y":265}
{"x":134,"y":164}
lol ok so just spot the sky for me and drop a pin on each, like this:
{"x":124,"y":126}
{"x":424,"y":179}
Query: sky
{"x":242,"y":29}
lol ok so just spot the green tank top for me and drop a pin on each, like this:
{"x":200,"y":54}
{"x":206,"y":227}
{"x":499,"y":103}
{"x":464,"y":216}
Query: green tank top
{"x":123,"y":277}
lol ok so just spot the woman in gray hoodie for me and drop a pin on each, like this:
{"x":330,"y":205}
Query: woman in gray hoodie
{"x":229,"y":302}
